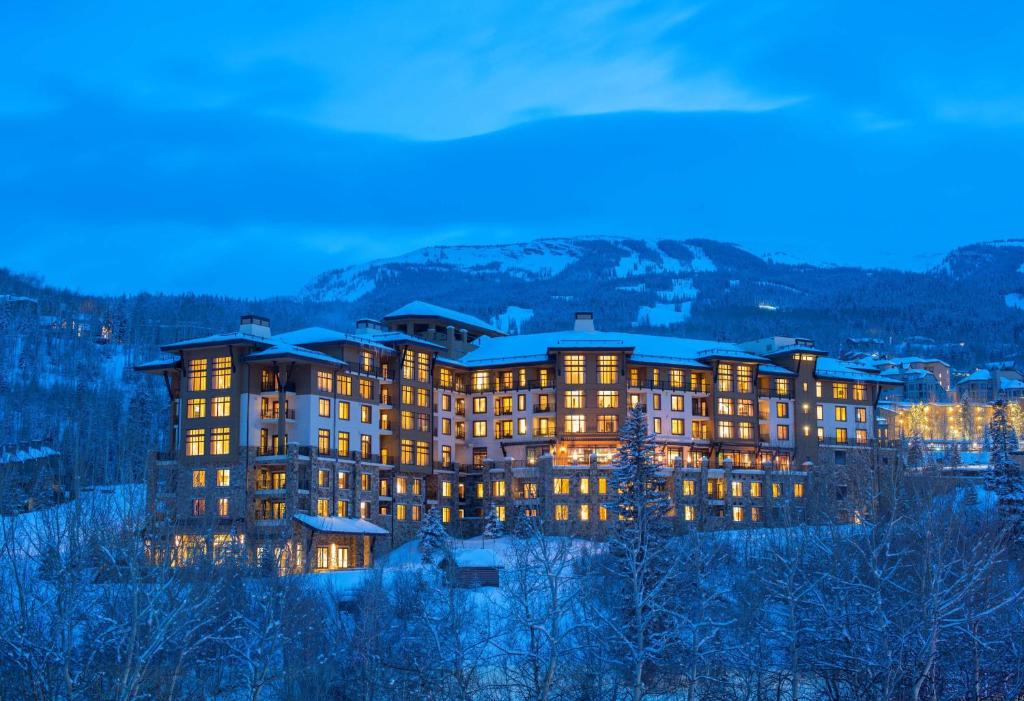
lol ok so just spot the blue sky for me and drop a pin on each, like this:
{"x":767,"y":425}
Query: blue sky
{"x":156,"y":145}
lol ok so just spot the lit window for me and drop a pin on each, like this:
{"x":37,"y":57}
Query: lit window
{"x":197,"y":375}
{"x":222,"y":372}
{"x":561,"y":512}
{"x":737,"y":513}
{"x":726,"y":429}
{"x":689,"y":513}
{"x":366,"y":414}
{"x":602,"y":485}
{"x":607,"y":369}
{"x":584,"y":512}
{"x":737,"y":488}
{"x":220,"y":441}
{"x":839,"y":390}
{"x":744,"y":378}
{"x":561,"y":485}
{"x":323,"y":441}
{"x":224,"y":477}
{"x":195,"y":442}
{"x":606,"y":399}
{"x":725,"y":383}
{"x":574,"y":371}
{"x":198,"y":507}
{"x":479,"y":429}
{"x":840,"y":412}
{"x":782,"y":410}
{"x":220,"y":407}
{"x":608,"y":423}
{"x":400,"y":512}
{"x":689,"y":488}
{"x":584,"y":485}
{"x":223,"y":507}
{"x":196,"y":408}
{"x":574,"y":399}
{"x":198,"y":478}
{"x":365,"y":389}
{"x":324,"y":381}
{"x":343,"y":443}
{"x":798,"y":489}
{"x":575,"y":423}
{"x":678,"y":427}
{"x":344,"y":384}
{"x":446,"y":514}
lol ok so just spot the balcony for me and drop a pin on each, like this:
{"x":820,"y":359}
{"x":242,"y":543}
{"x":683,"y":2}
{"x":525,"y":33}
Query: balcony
{"x":543,"y":409}
{"x":272,"y":415}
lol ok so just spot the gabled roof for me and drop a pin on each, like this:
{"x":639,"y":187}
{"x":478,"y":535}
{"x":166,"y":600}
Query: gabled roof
{"x":284,"y":350}
{"x":316,"y":335}
{"x":769,"y":369}
{"x":338,"y":524}
{"x":218,"y":339}
{"x":419,"y":308}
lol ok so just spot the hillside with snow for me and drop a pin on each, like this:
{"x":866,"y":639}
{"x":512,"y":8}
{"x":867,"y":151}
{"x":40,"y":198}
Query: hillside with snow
{"x":966,"y":309}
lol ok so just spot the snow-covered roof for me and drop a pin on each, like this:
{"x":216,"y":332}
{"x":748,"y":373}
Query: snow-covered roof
{"x":476,"y":557}
{"x":1007,"y":383}
{"x":769,"y":369}
{"x":530,"y":348}
{"x":977,"y":376}
{"x":837,"y":369}
{"x":338,"y":524}
{"x":315,"y":335}
{"x":285,"y":350}
{"x":25,"y":453}
{"x":796,"y":348}
{"x":218,"y":339}
{"x":419,"y":308}
{"x":158,"y":364}
{"x":400,"y":337}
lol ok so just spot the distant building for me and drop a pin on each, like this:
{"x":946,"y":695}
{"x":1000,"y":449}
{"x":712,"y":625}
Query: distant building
{"x":997,"y":381}
{"x":32,"y":475}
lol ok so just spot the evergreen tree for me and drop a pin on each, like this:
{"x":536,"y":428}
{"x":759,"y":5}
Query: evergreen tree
{"x":1006,"y":474}
{"x":640,"y":555}
{"x":915,"y":452}
{"x":953,"y":458}
{"x":434,"y":542}
{"x":966,"y":419}
{"x":493,"y":528}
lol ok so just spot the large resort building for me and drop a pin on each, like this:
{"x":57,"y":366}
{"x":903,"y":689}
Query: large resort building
{"x":314,"y":449}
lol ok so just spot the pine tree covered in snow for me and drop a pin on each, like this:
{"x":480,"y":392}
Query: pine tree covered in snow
{"x":1006,"y":475}
{"x":493,"y":527}
{"x":434,"y":541}
{"x":640,"y":555}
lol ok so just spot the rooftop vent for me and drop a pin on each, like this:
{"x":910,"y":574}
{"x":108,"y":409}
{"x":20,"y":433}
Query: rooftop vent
{"x":255,"y":326}
{"x":584,"y":321}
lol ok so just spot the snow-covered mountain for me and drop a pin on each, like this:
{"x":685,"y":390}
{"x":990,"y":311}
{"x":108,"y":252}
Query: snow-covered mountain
{"x":966,"y":307}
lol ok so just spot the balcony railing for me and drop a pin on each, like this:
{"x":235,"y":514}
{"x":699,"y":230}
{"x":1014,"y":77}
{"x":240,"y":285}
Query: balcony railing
{"x":543,"y":409}
{"x":272,"y":414}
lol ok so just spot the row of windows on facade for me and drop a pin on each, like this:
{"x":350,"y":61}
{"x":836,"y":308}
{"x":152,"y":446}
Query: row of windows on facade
{"x":730,"y":378}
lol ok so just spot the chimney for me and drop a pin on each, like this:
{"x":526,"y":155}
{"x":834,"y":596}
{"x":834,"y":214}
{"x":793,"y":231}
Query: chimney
{"x":365,"y":327}
{"x":449,"y":334}
{"x":464,"y":335}
{"x":584,"y":321}
{"x":255,"y":326}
